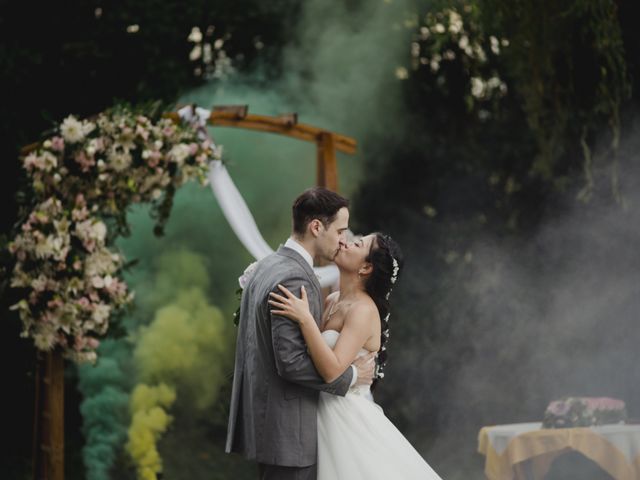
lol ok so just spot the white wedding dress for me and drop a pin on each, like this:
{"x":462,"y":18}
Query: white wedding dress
{"x":357,"y":441}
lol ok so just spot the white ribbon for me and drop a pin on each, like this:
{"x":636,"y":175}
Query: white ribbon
{"x":236,"y":210}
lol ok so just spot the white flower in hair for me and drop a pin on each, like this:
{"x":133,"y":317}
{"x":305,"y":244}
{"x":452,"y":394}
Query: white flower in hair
{"x":396,"y":268}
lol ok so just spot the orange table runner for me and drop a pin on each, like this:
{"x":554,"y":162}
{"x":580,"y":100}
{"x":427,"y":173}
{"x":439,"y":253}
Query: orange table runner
{"x":616,"y":448}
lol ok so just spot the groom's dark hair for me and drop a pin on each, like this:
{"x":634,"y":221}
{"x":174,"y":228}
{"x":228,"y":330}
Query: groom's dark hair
{"x":316,"y":202}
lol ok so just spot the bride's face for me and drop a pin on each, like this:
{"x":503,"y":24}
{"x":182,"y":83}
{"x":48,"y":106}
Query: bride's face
{"x":352,"y":255}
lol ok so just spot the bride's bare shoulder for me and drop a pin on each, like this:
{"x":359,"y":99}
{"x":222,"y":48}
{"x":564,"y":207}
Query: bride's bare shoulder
{"x":364,"y":310}
{"x":331,"y":298}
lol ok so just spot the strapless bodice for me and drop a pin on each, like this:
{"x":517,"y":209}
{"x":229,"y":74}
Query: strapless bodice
{"x":331,"y":338}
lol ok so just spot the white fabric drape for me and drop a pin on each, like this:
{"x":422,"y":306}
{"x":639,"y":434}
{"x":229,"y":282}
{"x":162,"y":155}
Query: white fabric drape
{"x":236,"y":210}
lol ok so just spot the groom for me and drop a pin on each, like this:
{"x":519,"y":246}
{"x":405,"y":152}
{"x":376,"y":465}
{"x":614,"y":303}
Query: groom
{"x":275,"y":386}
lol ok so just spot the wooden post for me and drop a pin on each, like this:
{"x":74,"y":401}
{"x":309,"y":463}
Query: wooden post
{"x":51,"y":450}
{"x":326,"y":166}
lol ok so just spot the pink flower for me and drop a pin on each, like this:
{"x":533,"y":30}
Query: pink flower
{"x":85,"y":162}
{"x":558,"y":408}
{"x":57,"y":144}
{"x":79,"y":343}
{"x":30,"y":161}
{"x":84,"y":303}
{"x":142,"y":132}
{"x":604,"y":403}
{"x":154,"y":159}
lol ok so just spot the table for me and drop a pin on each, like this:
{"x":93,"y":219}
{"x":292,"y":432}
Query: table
{"x":615,"y":448}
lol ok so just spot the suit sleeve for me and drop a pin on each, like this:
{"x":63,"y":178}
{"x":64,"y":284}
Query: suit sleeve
{"x":293,"y":362}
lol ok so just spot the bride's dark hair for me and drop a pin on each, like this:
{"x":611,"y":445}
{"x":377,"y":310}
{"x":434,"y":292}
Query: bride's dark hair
{"x":386,"y":258}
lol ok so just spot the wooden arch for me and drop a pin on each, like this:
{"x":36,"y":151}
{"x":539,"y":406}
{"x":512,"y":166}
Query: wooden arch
{"x":48,"y":428}
{"x":327,"y":143}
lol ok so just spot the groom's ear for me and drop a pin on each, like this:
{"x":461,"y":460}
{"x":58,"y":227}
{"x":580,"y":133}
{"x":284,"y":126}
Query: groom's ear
{"x":315,"y":227}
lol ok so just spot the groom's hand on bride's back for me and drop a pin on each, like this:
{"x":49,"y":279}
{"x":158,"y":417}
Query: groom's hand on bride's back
{"x":365,"y":365}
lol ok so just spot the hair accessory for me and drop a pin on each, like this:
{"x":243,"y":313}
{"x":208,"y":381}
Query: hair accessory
{"x":396,"y":268}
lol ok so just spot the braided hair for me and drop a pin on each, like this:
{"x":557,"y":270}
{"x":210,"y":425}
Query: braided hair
{"x":386,"y":258}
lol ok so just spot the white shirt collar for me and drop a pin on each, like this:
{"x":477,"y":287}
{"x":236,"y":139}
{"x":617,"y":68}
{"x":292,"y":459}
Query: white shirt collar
{"x":295,"y":245}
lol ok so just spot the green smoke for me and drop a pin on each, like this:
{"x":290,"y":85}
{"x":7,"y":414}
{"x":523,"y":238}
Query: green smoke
{"x":339,"y":75}
{"x":105,"y":388}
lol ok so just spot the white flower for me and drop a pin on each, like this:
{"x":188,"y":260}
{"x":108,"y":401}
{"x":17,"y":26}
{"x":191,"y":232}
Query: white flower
{"x":455,"y":22}
{"x":39,"y":284}
{"x":94,"y":146}
{"x":119,"y":158}
{"x":99,"y":231}
{"x":100,"y":262}
{"x":396,"y":269}
{"x":47,"y":246}
{"x":179,"y":153}
{"x":88,"y":127}
{"x":477,"y":87}
{"x":44,"y":341}
{"x":91,"y":230}
{"x":246,"y":275}
{"x":439,"y":28}
{"x":72,"y":129}
{"x":49,"y":161}
{"x":101,"y":313}
{"x":195,"y":53}
{"x":495,"y":45}
{"x":195,"y":35}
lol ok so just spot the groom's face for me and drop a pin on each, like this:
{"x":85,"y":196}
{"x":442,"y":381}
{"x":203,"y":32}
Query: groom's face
{"x":332,"y":237}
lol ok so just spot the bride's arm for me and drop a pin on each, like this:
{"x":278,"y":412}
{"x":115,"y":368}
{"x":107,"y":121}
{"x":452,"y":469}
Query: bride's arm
{"x":355,"y":332}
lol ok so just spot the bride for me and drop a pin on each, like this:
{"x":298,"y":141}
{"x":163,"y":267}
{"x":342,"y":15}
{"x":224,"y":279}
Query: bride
{"x":355,"y":439}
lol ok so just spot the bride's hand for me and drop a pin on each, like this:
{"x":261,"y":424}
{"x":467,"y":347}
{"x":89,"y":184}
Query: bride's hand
{"x":290,"y":306}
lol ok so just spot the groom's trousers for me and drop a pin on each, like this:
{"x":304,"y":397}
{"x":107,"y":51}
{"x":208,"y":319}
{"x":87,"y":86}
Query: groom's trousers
{"x":276,"y":472}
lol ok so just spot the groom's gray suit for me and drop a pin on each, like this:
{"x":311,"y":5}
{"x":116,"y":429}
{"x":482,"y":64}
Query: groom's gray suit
{"x":275,"y":386}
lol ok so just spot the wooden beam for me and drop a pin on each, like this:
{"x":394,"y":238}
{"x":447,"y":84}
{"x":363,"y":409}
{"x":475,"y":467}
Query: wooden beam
{"x":326,"y":165}
{"x":237,"y":116}
{"x":280,"y":125}
{"x":51,"y":463}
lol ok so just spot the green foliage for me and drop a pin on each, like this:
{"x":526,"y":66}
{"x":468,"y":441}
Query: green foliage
{"x":568,"y":66}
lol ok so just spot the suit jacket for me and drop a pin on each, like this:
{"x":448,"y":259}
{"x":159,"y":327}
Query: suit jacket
{"x":275,"y":392}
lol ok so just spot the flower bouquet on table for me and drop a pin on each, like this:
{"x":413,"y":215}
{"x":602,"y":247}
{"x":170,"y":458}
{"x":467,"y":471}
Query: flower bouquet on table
{"x":571,"y":412}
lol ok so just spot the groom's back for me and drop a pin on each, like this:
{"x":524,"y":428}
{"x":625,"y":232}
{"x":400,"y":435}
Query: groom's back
{"x":267,"y":412}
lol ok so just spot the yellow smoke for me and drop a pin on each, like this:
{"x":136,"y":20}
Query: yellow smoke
{"x":149,"y":421}
{"x":184,"y":346}
{"x":184,"y":351}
